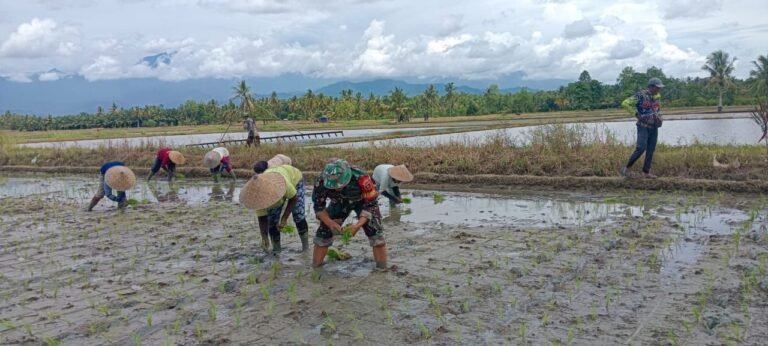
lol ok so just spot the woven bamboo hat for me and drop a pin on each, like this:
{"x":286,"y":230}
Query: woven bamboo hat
{"x":279,"y":160}
{"x":177,"y":157}
{"x":120,"y":178}
{"x":212,"y":159}
{"x":401,"y":173}
{"x":263,"y":191}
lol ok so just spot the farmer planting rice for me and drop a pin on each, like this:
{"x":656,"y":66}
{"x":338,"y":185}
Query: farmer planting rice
{"x":217,"y":160}
{"x":167,"y":159}
{"x":114,"y":176}
{"x":348,"y":189}
{"x":275,"y":161}
{"x":276,"y":194}
{"x":388,"y":178}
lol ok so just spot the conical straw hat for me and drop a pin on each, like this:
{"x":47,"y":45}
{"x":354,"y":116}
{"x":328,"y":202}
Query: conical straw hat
{"x":262,"y":191}
{"x":401,"y":173}
{"x":212,"y":159}
{"x":286,"y":160}
{"x":177,"y":157}
{"x":120,"y":178}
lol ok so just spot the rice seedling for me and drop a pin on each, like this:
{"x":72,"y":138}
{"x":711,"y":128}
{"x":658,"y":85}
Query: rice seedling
{"x":423,"y":330}
{"x":199,"y":332}
{"x":51,"y":341}
{"x":275,"y":269}
{"x":135,"y":339}
{"x":438,"y":198}
{"x":346,"y":235}
{"x":212,"y":310}
{"x":28,"y":330}
{"x":288,"y":229}
{"x":238,"y":312}
{"x":522,"y":332}
{"x":407,"y":200}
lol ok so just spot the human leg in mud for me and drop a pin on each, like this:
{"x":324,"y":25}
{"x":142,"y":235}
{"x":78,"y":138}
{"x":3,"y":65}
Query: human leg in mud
{"x":331,"y":220}
{"x":99,"y":194}
{"x":370,"y":221}
{"x":155,"y":168}
{"x":299,"y":213}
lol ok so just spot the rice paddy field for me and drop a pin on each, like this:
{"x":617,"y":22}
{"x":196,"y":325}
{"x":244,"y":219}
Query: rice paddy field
{"x":514,"y":265}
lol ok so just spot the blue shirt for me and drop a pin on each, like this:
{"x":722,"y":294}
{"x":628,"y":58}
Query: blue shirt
{"x":105,"y":167}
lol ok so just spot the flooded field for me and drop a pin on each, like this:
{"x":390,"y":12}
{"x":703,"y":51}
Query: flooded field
{"x":674,"y":132}
{"x":183,"y":267}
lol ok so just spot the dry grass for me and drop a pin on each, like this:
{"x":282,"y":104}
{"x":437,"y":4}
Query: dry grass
{"x":554,"y":150}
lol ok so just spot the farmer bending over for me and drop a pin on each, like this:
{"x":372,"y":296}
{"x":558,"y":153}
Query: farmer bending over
{"x":167,"y":159}
{"x":348,"y":189}
{"x":217,"y":160}
{"x":275,"y":161}
{"x":114,"y":176}
{"x":277,"y":189}
{"x":388,"y":179}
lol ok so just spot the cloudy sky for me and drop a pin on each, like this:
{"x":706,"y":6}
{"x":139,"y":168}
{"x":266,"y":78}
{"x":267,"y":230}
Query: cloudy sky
{"x":359,"y":39}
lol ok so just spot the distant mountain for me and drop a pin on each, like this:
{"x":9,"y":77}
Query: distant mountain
{"x":57,"y":93}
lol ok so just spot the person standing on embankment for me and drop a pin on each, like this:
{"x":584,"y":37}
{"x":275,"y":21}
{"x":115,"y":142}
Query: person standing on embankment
{"x":167,"y":159}
{"x":253,"y":135}
{"x":645,"y":105}
{"x":113,"y":175}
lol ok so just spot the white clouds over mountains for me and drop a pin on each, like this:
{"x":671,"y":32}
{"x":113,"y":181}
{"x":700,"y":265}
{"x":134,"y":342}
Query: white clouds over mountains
{"x":368,"y":39}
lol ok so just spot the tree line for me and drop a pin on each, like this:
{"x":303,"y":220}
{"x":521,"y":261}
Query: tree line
{"x":584,"y":94}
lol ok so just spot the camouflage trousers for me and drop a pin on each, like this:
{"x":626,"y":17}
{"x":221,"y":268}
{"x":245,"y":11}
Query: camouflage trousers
{"x":340,"y":211}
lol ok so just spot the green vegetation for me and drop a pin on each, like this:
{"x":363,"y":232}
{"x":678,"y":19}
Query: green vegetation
{"x":584,"y":94}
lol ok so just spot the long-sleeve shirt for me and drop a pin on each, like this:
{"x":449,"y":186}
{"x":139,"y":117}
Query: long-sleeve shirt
{"x":384,"y":182}
{"x":646,"y":107}
{"x":165,"y":160}
{"x":108,"y":190}
{"x":225,"y":163}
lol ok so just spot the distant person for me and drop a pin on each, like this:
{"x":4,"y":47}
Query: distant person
{"x":218,"y":161}
{"x":167,"y":159}
{"x":388,"y":178}
{"x":253,"y":135}
{"x":276,"y":194}
{"x":645,"y":105}
{"x":114,"y":176}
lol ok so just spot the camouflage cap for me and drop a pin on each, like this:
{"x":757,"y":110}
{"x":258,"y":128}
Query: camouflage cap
{"x":336,"y":174}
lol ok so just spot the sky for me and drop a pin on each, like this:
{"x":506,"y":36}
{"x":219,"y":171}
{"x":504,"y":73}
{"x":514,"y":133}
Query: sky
{"x":367,"y":39}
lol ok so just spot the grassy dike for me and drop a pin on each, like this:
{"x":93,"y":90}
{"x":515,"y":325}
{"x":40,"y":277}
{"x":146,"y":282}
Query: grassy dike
{"x":557,"y":156}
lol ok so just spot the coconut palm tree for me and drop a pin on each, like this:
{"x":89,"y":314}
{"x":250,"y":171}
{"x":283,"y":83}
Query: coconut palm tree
{"x":242,"y":92}
{"x":760,"y":77}
{"x":720,"y":66}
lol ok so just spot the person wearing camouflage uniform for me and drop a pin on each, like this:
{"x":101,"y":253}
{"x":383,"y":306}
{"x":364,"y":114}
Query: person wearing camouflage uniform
{"x":349,"y":190}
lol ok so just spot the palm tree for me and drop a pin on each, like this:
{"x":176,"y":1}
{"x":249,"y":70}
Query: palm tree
{"x":720,"y":66}
{"x":450,"y":97}
{"x":430,"y":98}
{"x":242,"y":92}
{"x":760,"y":76}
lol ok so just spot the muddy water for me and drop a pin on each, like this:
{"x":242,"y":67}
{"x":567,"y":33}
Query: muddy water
{"x":674,"y":132}
{"x":180,"y":140}
{"x":526,"y":267}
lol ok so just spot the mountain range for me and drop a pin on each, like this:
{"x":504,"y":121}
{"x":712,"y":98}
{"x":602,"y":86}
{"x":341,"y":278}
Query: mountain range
{"x":57,"y":93}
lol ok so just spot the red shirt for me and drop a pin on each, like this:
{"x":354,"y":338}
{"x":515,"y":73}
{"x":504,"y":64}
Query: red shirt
{"x":165,"y":160}
{"x":227,"y":164}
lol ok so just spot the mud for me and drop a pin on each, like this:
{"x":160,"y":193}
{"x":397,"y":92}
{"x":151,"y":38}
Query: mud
{"x":519,"y":266}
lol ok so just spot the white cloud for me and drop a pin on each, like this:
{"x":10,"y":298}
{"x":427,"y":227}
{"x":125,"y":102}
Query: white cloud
{"x":379,"y":51}
{"x":49,"y":76}
{"x":627,"y":49}
{"x":579,"y":28}
{"x":40,"y":38}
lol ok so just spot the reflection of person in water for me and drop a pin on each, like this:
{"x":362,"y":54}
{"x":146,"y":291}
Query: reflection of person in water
{"x":217,"y":192}
{"x":394,"y":215}
{"x":172,"y":195}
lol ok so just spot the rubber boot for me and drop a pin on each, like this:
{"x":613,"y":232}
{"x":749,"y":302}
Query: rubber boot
{"x":94,"y":201}
{"x":276,"y":248}
{"x":304,"y":241}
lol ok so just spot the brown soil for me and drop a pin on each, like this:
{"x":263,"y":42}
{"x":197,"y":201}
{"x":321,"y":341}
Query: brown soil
{"x":194,"y":274}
